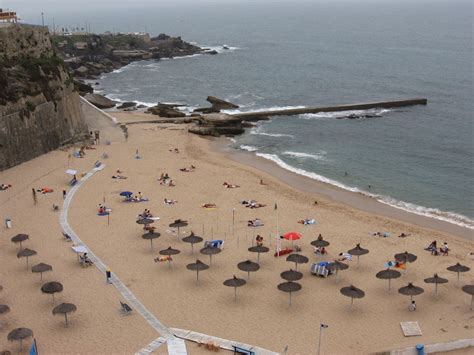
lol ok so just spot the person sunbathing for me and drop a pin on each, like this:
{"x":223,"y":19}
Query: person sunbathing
{"x":4,"y":187}
{"x":161,"y":259}
{"x":101,"y":209}
{"x":344,"y":256}
{"x":320,"y":250}
{"x":403,"y":235}
{"x":209,"y":205}
{"x":254,"y":223}
{"x":171,"y":183}
{"x":231,"y":186}
{"x":45,"y":190}
{"x":307,"y":221}
{"x":169,"y":202}
{"x":120,"y":177}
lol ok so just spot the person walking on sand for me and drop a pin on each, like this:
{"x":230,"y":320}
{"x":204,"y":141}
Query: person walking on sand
{"x":64,"y":194}
{"x":108,"y":275}
{"x":34,"y":195}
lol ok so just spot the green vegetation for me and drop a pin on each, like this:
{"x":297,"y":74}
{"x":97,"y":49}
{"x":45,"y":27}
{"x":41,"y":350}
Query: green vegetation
{"x":30,"y":106}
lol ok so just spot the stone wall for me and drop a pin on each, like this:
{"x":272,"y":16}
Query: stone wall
{"x":34,"y":125}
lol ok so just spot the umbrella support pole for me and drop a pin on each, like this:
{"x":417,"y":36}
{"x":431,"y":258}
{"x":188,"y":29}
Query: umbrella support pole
{"x":352,"y":301}
{"x":192,"y":248}
{"x":389,"y":284}
{"x":436,"y":289}
{"x":290,"y":299}
{"x":235,"y":294}
{"x":248,"y":275}
{"x":65,"y":316}
{"x":169,"y":263}
{"x":210,"y":259}
{"x":197,"y":276}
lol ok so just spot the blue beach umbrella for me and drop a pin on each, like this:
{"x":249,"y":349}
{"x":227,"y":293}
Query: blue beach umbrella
{"x":126,"y":193}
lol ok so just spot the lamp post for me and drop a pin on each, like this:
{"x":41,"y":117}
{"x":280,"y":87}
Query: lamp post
{"x":42,"y":18}
{"x":321,"y":327}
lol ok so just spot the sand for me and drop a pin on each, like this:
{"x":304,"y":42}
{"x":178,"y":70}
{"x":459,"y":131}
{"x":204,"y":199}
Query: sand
{"x":261,"y":316}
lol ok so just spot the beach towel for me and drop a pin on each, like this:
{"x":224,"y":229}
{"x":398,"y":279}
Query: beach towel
{"x":283,"y":252}
{"x":214,"y":244}
{"x":103,"y":213}
{"x":309,"y":221}
{"x":389,"y":264}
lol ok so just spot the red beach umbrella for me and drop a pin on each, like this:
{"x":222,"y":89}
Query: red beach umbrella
{"x":292,"y":236}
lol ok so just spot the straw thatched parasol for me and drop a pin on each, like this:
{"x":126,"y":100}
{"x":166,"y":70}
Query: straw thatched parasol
{"x":4,"y":309}
{"x":210,"y":251}
{"x":150,"y":236}
{"x":192,"y":239}
{"x":178,"y":223}
{"x":145,"y":221}
{"x":169,"y":251}
{"x":458,"y":268}
{"x":258,"y":249}
{"x":352,"y":292}
{"x":388,"y":274}
{"x":40,"y":268}
{"x":26,"y":253}
{"x":358,"y":251}
{"x":297,"y":259}
{"x":335,"y":266}
{"x":320,"y":242}
{"x":52,"y":288}
{"x":197,"y":266}
{"x":64,"y":308}
{"x":411,"y":290}
{"x":291,"y":275}
{"x":248,"y":266}
{"x":436,"y":280}
{"x":289,"y":287}
{"x":469,"y":289}
{"x":20,"y":334}
{"x":235,"y":282}
{"x":405,"y":257}
{"x":20,"y":238}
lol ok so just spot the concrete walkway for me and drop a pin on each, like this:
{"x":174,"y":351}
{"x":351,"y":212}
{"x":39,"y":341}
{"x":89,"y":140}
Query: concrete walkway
{"x":176,"y":346}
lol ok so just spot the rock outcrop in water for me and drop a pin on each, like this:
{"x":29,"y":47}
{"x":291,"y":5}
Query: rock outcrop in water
{"x":39,"y":108}
{"x":217,"y":105}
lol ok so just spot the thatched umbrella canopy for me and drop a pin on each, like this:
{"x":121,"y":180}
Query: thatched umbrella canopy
{"x":210,"y":251}
{"x":259,"y":249}
{"x":289,"y":287}
{"x":335,"y":266}
{"x":40,"y":268}
{"x":20,"y":334}
{"x":192,"y":239}
{"x":168,"y":252}
{"x":458,"y":268}
{"x":145,"y":221}
{"x":436,"y":280}
{"x":64,"y":308}
{"x":358,"y":251}
{"x":248,"y":266}
{"x":291,"y":275}
{"x":320,"y":242}
{"x":352,"y":292}
{"x":150,"y":236}
{"x":26,"y":253}
{"x":388,"y":274}
{"x":411,"y":290}
{"x":235,"y":282}
{"x":51,"y":288}
{"x":178,"y":223}
{"x":197,"y":266}
{"x":4,"y":309}
{"x":469,"y":289}
{"x":20,"y":238}
{"x":405,"y":257}
{"x":297,"y":259}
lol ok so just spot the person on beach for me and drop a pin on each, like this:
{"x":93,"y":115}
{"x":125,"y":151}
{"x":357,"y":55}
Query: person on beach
{"x":412,"y":307}
{"x":64,"y":194}
{"x":444,"y":250}
{"x":5,"y":187}
{"x":108,"y":275}
{"x":34,"y":195}
{"x":259,"y":240}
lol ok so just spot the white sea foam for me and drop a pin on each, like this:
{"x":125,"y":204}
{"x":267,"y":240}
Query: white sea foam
{"x":435,"y":213}
{"x":272,"y":134}
{"x":119,"y":70}
{"x":248,"y":148}
{"x":344,"y":114}
{"x":317,"y":156}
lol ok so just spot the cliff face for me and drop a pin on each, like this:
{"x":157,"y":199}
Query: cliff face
{"x":39,"y":109}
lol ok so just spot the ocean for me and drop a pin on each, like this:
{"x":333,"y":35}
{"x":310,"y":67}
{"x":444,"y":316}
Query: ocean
{"x":305,"y":54}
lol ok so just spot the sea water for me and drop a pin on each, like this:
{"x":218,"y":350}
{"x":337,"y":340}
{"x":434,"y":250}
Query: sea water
{"x":319,"y":53}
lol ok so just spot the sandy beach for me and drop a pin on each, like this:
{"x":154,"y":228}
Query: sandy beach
{"x":261,"y":315}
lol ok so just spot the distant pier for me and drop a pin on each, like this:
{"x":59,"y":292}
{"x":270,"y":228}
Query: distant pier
{"x":250,"y":116}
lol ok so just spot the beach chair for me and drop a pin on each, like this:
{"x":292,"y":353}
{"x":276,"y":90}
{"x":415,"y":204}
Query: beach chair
{"x":320,"y":269}
{"x":126,"y":309}
{"x":214,"y":244}
{"x":67,"y":238}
